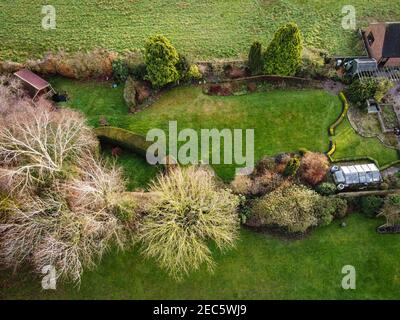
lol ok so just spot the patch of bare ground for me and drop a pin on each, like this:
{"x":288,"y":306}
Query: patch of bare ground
{"x":368,"y":126}
{"x":333,"y":87}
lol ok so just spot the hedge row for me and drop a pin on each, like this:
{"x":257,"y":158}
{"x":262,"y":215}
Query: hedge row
{"x":351,"y":159}
{"x":342,"y":115}
{"x":123,"y":138}
{"x":391,"y":164}
{"x":332,"y":149}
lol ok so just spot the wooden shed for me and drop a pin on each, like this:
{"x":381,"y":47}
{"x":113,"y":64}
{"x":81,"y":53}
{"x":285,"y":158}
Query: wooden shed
{"x":35,"y":84}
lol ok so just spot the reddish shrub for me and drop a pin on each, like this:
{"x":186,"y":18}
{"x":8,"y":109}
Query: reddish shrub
{"x":143,"y":92}
{"x":314,"y":167}
{"x":116,"y":151}
{"x":252,"y":87}
{"x":235,"y":72}
{"x":220,"y":90}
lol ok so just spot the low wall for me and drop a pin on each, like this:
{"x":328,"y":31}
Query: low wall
{"x":127,"y":139}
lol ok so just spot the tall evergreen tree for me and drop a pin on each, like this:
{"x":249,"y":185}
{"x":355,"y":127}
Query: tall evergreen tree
{"x":283,"y":55}
{"x":256,"y":60}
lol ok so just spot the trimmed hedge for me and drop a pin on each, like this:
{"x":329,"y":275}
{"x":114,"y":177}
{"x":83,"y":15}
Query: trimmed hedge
{"x":332,"y":149}
{"x":342,"y":115}
{"x":391,"y":164}
{"x":350,"y":159}
{"x":123,"y":138}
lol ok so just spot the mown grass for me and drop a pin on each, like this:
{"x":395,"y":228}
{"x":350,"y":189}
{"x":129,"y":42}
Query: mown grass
{"x":261,"y":267}
{"x":200,"y":29}
{"x":350,"y":144}
{"x":283,"y":120}
{"x":137,"y":172}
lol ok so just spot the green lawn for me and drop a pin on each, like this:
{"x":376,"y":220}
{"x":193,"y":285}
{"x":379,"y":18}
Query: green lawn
{"x":261,"y":267}
{"x":283,"y":120}
{"x":350,"y":144}
{"x":137,"y":172}
{"x":200,"y":29}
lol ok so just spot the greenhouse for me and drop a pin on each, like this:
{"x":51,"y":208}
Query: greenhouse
{"x":361,"y":174}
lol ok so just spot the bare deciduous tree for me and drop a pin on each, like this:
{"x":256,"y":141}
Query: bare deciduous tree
{"x":36,"y":143}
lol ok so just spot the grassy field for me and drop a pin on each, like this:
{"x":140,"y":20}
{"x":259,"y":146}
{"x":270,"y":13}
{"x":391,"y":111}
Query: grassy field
{"x":261,"y":267}
{"x":200,"y":29}
{"x":350,"y":144}
{"x":282,"y":120}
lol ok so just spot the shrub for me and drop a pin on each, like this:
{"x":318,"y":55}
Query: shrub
{"x":120,"y":70}
{"x":242,"y":185}
{"x":64,"y":205}
{"x":77,"y":65}
{"x":264,"y":165}
{"x":258,"y":185}
{"x":182,"y":66}
{"x":371,"y":205}
{"x":190,"y":212}
{"x":139,"y":72}
{"x":291,"y":168}
{"x":266,"y":182}
{"x":193,"y":73}
{"x":314,"y":167}
{"x":290,"y":206}
{"x":303,"y":151}
{"x":69,"y":226}
{"x":256,"y":60}
{"x":324,"y":211}
{"x":314,"y":64}
{"x":326,"y":189}
{"x":283,"y":55}
{"x":161,"y":59}
{"x":391,"y":210}
{"x":341,"y":207}
{"x":328,"y":208}
{"x":130,"y":93}
{"x":360,"y":91}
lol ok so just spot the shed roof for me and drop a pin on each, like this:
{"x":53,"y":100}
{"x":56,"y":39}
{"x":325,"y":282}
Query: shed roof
{"x":391,"y":45}
{"x":32,"y":79}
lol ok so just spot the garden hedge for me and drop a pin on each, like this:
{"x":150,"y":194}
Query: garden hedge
{"x":332,"y":149}
{"x":342,"y":115}
{"x":123,"y":138}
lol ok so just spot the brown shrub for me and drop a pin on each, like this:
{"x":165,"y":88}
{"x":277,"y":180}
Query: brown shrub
{"x":252,"y":86}
{"x":314,"y":167}
{"x":281,"y":162}
{"x":235,"y":72}
{"x":268,"y":182}
{"x":143,"y":92}
{"x":265,"y":164}
{"x":78,"y":65}
{"x":220,"y":89}
{"x":242,"y":185}
{"x":258,"y":185}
